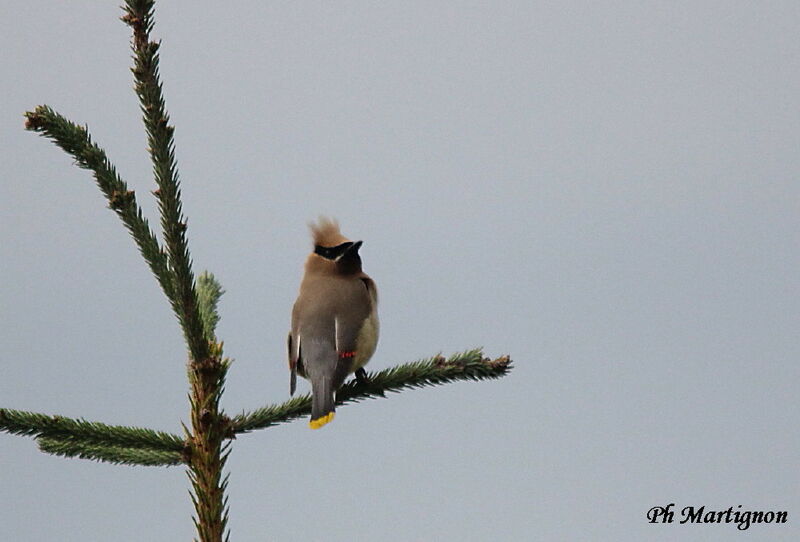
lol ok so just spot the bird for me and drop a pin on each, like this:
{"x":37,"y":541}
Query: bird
{"x":334,"y":326}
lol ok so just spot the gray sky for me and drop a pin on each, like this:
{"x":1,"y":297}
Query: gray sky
{"x":606,"y":191}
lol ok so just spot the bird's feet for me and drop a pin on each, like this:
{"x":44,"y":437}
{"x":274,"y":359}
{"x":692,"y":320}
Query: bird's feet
{"x":362,"y":378}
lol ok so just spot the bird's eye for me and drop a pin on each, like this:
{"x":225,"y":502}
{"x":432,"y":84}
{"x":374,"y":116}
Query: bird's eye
{"x":325,"y":252}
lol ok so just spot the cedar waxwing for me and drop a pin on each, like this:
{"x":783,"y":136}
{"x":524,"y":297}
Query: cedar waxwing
{"x":334,"y":320}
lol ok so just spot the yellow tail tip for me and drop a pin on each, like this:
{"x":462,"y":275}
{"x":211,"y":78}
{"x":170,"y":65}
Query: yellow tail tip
{"x":319,"y":422}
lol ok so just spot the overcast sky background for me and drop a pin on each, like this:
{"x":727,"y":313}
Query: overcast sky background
{"x":606,"y":191}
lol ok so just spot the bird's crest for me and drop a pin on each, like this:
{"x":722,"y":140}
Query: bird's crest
{"x":326,"y":232}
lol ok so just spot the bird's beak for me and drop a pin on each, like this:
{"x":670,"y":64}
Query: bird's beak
{"x":354,"y":247}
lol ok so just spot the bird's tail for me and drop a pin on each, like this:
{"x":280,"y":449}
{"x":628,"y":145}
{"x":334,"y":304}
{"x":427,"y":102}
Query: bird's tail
{"x":322,"y":402}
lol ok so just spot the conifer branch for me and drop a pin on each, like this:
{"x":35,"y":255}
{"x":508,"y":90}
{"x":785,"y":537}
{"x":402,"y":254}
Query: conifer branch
{"x":470,"y":365}
{"x":209,"y":290}
{"x":161,"y":145}
{"x":77,"y":142}
{"x":209,"y":451}
{"x":19,"y":422}
{"x":207,"y":367}
{"x":147,"y":457}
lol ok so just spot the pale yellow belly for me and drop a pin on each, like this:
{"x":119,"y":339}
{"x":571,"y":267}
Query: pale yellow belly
{"x":366,"y":341}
